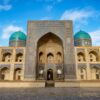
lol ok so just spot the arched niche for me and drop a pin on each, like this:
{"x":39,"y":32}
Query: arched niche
{"x":7,"y":57}
{"x":4,"y":73}
{"x":81,"y":56}
{"x":59,"y":57}
{"x":50,"y":58}
{"x":19,"y":57}
{"x":41,"y":54}
{"x":93,"y":56}
{"x":49,"y":44}
{"x":17,"y":73}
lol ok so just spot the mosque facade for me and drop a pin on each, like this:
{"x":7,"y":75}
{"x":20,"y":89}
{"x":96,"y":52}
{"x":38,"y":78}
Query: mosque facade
{"x":50,"y":53}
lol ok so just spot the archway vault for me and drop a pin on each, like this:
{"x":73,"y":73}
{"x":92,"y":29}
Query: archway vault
{"x":49,"y":44}
{"x":50,"y":35}
{"x":48,"y":47}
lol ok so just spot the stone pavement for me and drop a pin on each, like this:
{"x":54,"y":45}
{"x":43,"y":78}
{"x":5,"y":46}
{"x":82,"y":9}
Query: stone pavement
{"x":50,"y":94}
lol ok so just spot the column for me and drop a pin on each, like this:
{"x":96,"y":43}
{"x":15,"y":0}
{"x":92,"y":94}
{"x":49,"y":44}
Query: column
{"x":12,"y":65}
{"x":88,"y":70}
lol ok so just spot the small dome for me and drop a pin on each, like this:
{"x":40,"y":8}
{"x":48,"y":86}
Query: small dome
{"x":82,"y":38}
{"x":82,"y":35}
{"x":18,"y":36}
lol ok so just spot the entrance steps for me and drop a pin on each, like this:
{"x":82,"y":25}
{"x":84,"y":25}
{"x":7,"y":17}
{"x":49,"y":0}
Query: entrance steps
{"x":49,"y":84}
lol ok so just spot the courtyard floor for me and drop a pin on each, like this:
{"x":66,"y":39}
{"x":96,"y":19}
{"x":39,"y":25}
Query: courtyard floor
{"x":50,"y":94}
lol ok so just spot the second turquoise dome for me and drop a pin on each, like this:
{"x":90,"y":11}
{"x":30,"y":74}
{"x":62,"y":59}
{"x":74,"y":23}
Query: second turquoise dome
{"x":82,"y":35}
{"x":18,"y":36}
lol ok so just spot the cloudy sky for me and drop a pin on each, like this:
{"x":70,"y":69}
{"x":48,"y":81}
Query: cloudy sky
{"x":14,"y":15}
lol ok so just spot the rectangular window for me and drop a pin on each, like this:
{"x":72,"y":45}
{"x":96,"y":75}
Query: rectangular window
{"x":97,"y":76}
{"x":19,"y":78}
{"x":20,"y":60}
{"x":8,"y":60}
{"x":82,"y":76}
{"x":91,"y":60}
{"x":2,"y":77}
{"x":79,"y":60}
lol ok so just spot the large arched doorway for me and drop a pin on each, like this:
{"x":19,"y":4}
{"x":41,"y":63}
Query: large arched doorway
{"x":49,"y":54}
{"x":49,"y":74}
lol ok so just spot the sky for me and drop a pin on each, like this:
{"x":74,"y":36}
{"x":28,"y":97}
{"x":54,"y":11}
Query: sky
{"x":14,"y":15}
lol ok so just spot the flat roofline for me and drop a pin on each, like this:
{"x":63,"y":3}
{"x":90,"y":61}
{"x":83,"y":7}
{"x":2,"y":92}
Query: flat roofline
{"x":87,"y":46}
{"x":49,"y":20}
{"x":11,"y":47}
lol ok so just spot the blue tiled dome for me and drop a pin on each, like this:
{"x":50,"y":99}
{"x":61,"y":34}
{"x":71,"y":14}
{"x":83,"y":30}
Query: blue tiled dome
{"x":82,"y":35}
{"x":18,"y":36}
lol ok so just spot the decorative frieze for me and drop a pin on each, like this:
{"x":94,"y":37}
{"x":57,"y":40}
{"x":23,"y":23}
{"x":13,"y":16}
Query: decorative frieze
{"x":18,"y":50}
{"x":93,"y":49}
{"x":82,"y":66}
{"x":5,"y":65}
{"x":59,"y":66}
{"x":6,"y":51}
{"x":95,"y":65}
{"x":18,"y":65}
{"x":81,"y":50}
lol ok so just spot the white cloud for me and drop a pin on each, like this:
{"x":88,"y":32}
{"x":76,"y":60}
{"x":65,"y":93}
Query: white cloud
{"x":5,"y":7}
{"x":95,"y":37}
{"x":77,"y":14}
{"x":81,"y":17}
{"x":49,"y":8}
{"x":7,"y":31}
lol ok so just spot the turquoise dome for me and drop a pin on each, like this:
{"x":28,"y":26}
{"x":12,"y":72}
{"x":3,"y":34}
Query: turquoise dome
{"x":82,"y":35}
{"x":18,"y":36}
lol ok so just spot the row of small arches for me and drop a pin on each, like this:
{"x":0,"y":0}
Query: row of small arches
{"x":95,"y":73}
{"x":7,"y":57}
{"x":5,"y":72}
{"x":50,"y":56}
{"x":93,"y":56}
{"x":58,"y":53}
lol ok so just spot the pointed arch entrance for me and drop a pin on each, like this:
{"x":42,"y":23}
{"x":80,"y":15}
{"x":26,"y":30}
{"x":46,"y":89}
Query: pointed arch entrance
{"x":49,"y":74}
{"x":49,"y":54}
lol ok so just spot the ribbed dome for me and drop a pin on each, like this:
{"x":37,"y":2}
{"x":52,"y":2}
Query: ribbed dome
{"x":17,"y":36}
{"x":82,"y":35}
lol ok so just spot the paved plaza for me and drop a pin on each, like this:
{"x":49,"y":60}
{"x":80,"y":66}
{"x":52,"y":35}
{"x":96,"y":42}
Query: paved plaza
{"x":50,"y":94}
